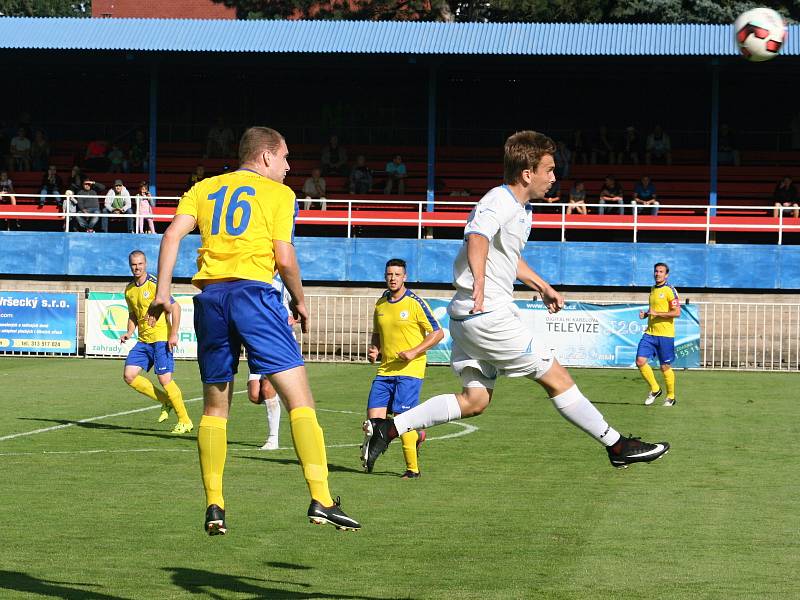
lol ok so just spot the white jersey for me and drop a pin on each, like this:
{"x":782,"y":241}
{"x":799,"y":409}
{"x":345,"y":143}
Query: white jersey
{"x":501,"y":219}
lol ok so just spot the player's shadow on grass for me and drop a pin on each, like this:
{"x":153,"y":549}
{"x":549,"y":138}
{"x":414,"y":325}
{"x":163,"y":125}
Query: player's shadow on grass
{"x":22,"y":582}
{"x":218,"y":585}
{"x":149,"y":432}
{"x":293,"y":461}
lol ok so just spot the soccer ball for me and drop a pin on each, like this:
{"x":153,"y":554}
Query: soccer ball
{"x":760,"y":33}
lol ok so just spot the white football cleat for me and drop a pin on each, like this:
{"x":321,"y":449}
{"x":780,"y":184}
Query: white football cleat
{"x":270,"y":444}
{"x":651,"y":397}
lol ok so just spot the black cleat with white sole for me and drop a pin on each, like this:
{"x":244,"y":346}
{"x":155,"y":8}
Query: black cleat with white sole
{"x":215,"y":521}
{"x":376,"y":440}
{"x":332,"y":515}
{"x":629,"y":450}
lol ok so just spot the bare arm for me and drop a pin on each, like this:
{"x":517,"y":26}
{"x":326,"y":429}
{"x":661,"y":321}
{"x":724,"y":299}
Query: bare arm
{"x":374,"y":349}
{"x":174,"y":318}
{"x":433,"y":338}
{"x":673,"y":313}
{"x":477,"y":251}
{"x":167,"y":257}
{"x":551,"y":298}
{"x":131,"y":328}
{"x":289,"y":269}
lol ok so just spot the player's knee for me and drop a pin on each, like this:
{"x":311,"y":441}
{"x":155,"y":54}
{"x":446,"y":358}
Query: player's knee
{"x":128,"y":378}
{"x":473,"y":402}
{"x":666,"y":367}
{"x":641,"y":361}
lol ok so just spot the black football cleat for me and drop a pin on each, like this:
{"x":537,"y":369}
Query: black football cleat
{"x":629,"y":450}
{"x":332,"y":515}
{"x":376,"y":440}
{"x":410,"y":475}
{"x":215,"y":521}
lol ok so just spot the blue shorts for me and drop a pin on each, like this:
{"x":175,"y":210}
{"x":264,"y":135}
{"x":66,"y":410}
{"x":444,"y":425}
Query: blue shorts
{"x":146,"y":355}
{"x":230,"y":314}
{"x":657,"y":345}
{"x":395,"y":393}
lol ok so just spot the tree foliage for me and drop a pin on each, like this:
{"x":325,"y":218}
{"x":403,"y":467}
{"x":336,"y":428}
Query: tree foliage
{"x":498,"y":11}
{"x":46,"y":8}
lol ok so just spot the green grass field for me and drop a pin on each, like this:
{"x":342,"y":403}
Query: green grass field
{"x":525,"y":506}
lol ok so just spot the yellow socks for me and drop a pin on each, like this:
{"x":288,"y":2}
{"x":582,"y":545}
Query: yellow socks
{"x":144,"y":386}
{"x":669,"y":379}
{"x":649,"y":377}
{"x":176,"y":399}
{"x":309,"y":444}
{"x":409,"y":439}
{"x":212,"y":444}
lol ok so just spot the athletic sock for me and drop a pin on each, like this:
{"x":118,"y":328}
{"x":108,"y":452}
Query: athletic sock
{"x":435,"y":411}
{"x":648,"y":375}
{"x":309,"y":444}
{"x":176,"y":399}
{"x":409,"y":439}
{"x":669,"y":379}
{"x":576,"y":409}
{"x":273,"y":416}
{"x":144,"y":386}
{"x":212,"y":444}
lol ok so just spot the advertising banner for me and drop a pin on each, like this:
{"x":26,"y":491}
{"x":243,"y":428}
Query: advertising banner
{"x":38,"y":322}
{"x":107,"y":320}
{"x":589,"y":335}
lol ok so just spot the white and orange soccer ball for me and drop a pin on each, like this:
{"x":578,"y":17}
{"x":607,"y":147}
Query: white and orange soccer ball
{"x":760,"y":33}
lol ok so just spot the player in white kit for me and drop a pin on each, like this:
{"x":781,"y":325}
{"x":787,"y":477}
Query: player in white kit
{"x":489,"y":337}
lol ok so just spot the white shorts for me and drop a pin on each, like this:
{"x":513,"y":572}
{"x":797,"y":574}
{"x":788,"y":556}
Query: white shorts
{"x":496,"y":343}
{"x":255,"y":376}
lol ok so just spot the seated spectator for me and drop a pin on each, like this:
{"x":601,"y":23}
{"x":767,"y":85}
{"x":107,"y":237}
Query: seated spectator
{"x":360,"y":177}
{"x":19,"y":152}
{"x":314,"y":188}
{"x":144,"y":203}
{"x":88,"y":204}
{"x":334,"y":158}
{"x":727,"y":154}
{"x":40,"y":151}
{"x":577,"y":198}
{"x":645,"y":194}
{"x":395,"y":173}
{"x":611,"y":194}
{"x":198,"y":174}
{"x":785,"y":197}
{"x":68,"y":207}
{"x":657,"y":147}
{"x":580,"y":147}
{"x":52,"y":184}
{"x":117,"y":163}
{"x":95,"y":158}
{"x":604,"y":150}
{"x":7,"y":195}
{"x":630,"y":147}
{"x":75,"y":182}
{"x":138,"y":153}
{"x":220,"y":140}
{"x":461,"y":192}
{"x":118,"y":202}
{"x":563,"y":160}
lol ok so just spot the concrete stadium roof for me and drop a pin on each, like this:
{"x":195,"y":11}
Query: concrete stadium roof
{"x":368,"y":37}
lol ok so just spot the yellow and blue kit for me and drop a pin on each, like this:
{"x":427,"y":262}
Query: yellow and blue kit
{"x":152,"y":345}
{"x":659,"y":337}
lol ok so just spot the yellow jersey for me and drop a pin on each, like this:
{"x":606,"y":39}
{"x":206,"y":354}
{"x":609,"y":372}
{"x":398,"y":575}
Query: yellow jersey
{"x":402,"y":325}
{"x":239,"y":215}
{"x":663,"y":298}
{"x":139,"y":298}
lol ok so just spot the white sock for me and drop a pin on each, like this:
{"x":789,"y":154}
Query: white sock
{"x":576,"y":409}
{"x":273,"y":416}
{"x":435,"y":411}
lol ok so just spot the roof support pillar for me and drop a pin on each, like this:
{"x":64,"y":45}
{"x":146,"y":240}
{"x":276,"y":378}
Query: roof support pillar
{"x":431,"y":135}
{"x":714,"y":154}
{"x":151,"y":164}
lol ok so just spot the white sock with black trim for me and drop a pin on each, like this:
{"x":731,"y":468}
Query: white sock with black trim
{"x":577,"y":409}
{"x":435,"y":411}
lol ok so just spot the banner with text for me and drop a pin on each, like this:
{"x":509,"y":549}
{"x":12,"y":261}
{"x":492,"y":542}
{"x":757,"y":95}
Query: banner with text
{"x":589,"y":335}
{"x":38,"y":322}
{"x":107,"y":320}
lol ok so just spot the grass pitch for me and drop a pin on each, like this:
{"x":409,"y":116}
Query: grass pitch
{"x":524,"y":506}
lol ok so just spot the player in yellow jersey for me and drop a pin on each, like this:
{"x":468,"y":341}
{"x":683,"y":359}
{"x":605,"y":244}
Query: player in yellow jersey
{"x":659,"y":337}
{"x":154,"y":346}
{"x":246,"y":222}
{"x":404,"y":328}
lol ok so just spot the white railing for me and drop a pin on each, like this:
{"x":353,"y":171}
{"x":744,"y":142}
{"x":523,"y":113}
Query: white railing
{"x":360,"y":213}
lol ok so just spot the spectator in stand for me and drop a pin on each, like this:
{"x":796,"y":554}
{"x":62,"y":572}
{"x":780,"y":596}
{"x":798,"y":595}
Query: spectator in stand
{"x":76,"y":178}
{"x":645,"y":194}
{"x":577,"y":198}
{"x":138,"y":155}
{"x":563,"y":160}
{"x":88,"y":204}
{"x":315,"y":188}
{"x":785,"y":197}
{"x":117,"y":163}
{"x":611,"y":194}
{"x":219,"y":143}
{"x":580,"y":147}
{"x":95,"y":158}
{"x":118,"y":202}
{"x":145,"y":203}
{"x":396,"y":174}
{"x":360,"y":177}
{"x":631,"y":146}
{"x":7,"y":195}
{"x":551,"y":198}
{"x":19,"y":152}
{"x":68,"y":207}
{"x":727,"y":154}
{"x":52,"y":184}
{"x":40,"y":151}
{"x":198,"y":174}
{"x":657,"y":147}
{"x":604,"y":150}
{"x":334,"y":158}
